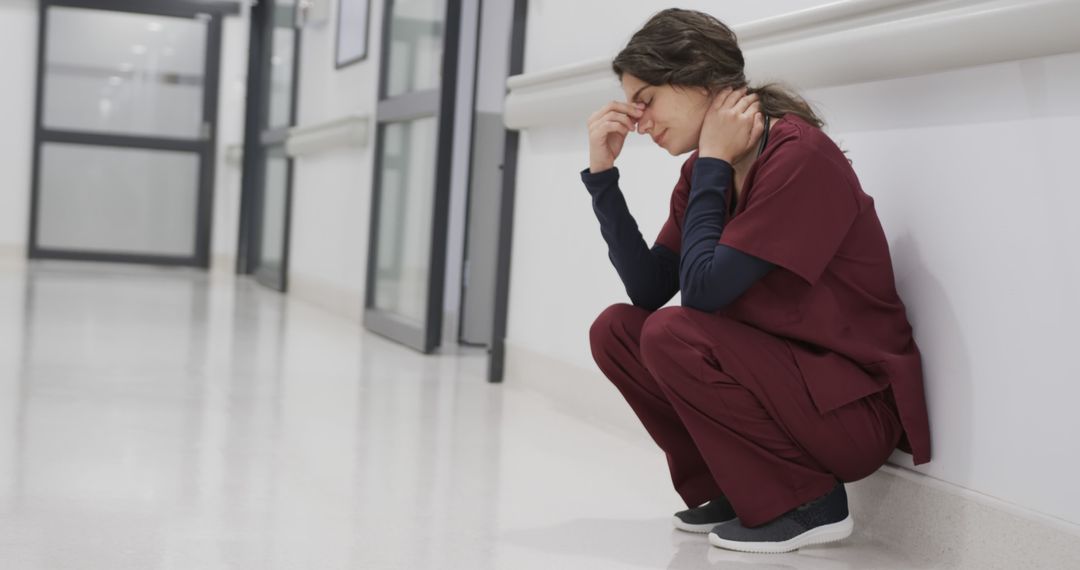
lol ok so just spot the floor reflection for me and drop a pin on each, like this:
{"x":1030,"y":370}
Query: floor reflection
{"x":167,"y":419}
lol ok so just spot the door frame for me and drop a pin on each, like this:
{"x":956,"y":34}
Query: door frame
{"x":497,"y":350}
{"x":414,"y":105}
{"x":258,"y":143}
{"x":205,"y":148}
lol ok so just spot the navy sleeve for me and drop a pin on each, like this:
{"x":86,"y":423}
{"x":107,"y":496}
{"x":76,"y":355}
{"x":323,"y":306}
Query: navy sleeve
{"x":651,"y":276}
{"x":713,"y":275}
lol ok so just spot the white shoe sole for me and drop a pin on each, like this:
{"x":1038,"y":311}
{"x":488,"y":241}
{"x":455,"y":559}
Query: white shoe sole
{"x":820,"y":535}
{"x":696,"y":528}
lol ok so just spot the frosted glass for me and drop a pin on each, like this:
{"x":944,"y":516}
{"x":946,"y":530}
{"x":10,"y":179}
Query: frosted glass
{"x":416,"y":46}
{"x":117,"y":200}
{"x":406,"y":201}
{"x":119,"y":73}
{"x":273,"y":211}
{"x":281,"y":64}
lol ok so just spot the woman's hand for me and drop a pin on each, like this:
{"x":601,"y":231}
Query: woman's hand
{"x":732,"y":126}
{"x":608,"y":128}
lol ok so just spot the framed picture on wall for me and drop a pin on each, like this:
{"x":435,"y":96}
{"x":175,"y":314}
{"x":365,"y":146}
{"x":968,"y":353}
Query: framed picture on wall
{"x":352,"y":28}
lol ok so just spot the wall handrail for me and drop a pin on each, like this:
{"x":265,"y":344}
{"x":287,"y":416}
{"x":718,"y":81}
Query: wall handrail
{"x":844,"y":42}
{"x":347,"y":131}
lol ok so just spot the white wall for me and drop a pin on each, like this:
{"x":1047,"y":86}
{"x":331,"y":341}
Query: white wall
{"x":232,"y":102}
{"x":971,"y":173}
{"x":332,"y":190}
{"x":570,"y":32}
{"x":18,"y":67}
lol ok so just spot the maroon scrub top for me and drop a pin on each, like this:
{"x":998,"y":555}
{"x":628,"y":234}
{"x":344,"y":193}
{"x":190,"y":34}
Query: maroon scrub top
{"x":833,"y":295}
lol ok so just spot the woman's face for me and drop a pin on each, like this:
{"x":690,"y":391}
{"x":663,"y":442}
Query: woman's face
{"x":672,"y":115}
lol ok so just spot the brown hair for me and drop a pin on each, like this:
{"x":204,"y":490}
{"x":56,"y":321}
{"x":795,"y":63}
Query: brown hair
{"x":686,"y":48}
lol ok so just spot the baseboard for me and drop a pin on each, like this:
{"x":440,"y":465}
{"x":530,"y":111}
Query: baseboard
{"x":343,"y":302}
{"x":223,"y":264}
{"x":940,"y":523}
{"x":12,"y":255}
{"x":580,"y":392}
{"x":952,"y":527}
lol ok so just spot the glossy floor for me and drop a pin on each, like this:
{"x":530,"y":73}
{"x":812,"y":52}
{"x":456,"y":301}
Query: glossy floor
{"x":166,"y":419}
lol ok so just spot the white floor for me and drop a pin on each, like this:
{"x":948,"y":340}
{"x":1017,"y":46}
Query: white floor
{"x":165,"y":419}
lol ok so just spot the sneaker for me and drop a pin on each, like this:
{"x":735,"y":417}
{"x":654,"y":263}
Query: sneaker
{"x":820,"y":521}
{"x":704,"y":518}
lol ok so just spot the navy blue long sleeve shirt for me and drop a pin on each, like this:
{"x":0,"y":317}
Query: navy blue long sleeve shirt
{"x":709,"y":274}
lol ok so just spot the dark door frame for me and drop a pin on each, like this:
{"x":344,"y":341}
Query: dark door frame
{"x":258,"y":143}
{"x":440,"y":103}
{"x":497,"y":351}
{"x":204,"y":147}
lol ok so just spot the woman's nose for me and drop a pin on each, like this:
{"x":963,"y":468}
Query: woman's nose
{"x":643,"y":125}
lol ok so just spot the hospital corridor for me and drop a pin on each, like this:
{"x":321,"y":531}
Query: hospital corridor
{"x":539,"y":285}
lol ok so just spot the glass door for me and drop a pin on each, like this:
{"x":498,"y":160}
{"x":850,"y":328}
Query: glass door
{"x":407,"y":251}
{"x":268,"y":170}
{"x":124,"y":144}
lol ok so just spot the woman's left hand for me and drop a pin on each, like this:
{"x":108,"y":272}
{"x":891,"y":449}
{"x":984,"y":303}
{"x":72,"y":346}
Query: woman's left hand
{"x":732,"y":126}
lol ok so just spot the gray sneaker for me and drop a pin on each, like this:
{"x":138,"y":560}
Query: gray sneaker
{"x":702,"y":519}
{"x":820,"y":521}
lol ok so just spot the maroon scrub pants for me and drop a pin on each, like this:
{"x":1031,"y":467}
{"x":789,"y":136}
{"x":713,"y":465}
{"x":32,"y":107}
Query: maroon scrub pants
{"x":728,"y":405}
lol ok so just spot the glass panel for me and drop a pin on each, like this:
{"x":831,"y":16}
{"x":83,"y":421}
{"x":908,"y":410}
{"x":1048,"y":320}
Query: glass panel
{"x":275,"y":188}
{"x":416,"y":46}
{"x":406,"y":199}
{"x":119,"y":73}
{"x":117,"y":200}
{"x":282,"y":43}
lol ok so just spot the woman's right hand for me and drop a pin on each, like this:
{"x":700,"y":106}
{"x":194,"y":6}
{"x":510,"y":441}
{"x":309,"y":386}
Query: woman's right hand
{"x":608,"y":128}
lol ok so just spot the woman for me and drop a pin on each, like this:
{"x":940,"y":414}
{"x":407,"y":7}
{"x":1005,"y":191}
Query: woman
{"x":790,"y":366}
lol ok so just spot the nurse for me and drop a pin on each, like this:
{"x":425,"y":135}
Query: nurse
{"x":789,"y":367}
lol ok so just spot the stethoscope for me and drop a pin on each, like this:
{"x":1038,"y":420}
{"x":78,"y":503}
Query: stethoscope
{"x":760,"y":149}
